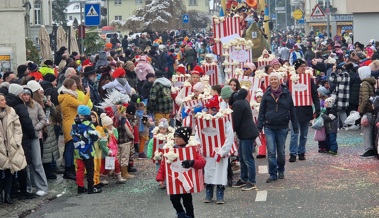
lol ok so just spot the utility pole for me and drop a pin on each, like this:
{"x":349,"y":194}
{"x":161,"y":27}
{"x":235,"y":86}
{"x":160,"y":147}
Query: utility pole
{"x":328,"y":17}
{"x":81,"y":27}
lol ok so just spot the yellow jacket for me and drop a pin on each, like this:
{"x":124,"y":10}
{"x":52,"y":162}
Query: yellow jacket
{"x":69,"y":104}
{"x":81,"y":97}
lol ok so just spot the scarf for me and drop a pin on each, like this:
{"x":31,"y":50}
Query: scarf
{"x":139,"y":114}
{"x":3,"y":124}
{"x":277,"y":92}
{"x":65,"y":90}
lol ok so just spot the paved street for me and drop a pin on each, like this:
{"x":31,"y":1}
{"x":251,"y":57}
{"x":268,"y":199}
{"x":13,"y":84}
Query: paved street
{"x":322,"y":186}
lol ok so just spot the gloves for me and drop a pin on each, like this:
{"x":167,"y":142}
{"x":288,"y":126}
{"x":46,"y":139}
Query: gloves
{"x":110,"y":153}
{"x":188,"y":163}
{"x":332,"y":117}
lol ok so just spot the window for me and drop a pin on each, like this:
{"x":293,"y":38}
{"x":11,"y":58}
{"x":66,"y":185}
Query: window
{"x":76,"y":7}
{"x":192,"y":2}
{"x":117,"y":2}
{"x":118,"y":17}
{"x":206,"y":2}
{"x":37,"y":13}
{"x":70,"y":17}
{"x":138,"y":2}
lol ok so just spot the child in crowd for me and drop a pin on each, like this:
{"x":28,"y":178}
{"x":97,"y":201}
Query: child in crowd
{"x":261,"y":139}
{"x":109,"y":146}
{"x":98,"y":152}
{"x":331,"y":125}
{"x":323,"y":93}
{"x":130,"y":116}
{"x":162,"y":129}
{"x":84,"y":135}
{"x":143,"y":128}
{"x":182,"y":136}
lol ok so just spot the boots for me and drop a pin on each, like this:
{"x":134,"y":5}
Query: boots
{"x":119,"y":179}
{"x":220,"y":194}
{"x":93,"y":190}
{"x":103,"y":179}
{"x":82,"y":190}
{"x":181,"y":215}
{"x":208,"y":193}
{"x":125,"y":174}
{"x":8,"y":199}
{"x":69,"y":173}
{"x":131,"y":169}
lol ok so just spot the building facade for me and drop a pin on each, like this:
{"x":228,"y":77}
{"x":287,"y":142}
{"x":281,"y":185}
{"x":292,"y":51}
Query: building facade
{"x":122,"y":9}
{"x":40,"y":13}
{"x":340,"y":19}
{"x":13,"y":19}
{"x":366,"y":13}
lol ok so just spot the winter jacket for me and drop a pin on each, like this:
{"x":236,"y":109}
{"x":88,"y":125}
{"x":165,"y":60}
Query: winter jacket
{"x":105,"y":78}
{"x":38,"y":117}
{"x":277,"y":114}
{"x":45,"y":70}
{"x":243,"y":122}
{"x":341,"y":92}
{"x":26,"y":124}
{"x":11,"y":153}
{"x":160,"y":100}
{"x":69,"y":105}
{"x":50,"y":90}
{"x":81,"y":97}
{"x":131,"y":76}
{"x":84,"y":136}
{"x":305,"y":113}
{"x":95,"y":96}
{"x":58,"y":55}
{"x":143,"y":68}
{"x":355,"y":85}
{"x":145,"y":90}
{"x":142,"y":42}
{"x":366,"y":91}
{"x":331,"y":125}
{"x":50,"y":148}
{"x":189,"y":55}
{"x":125,"y":131}
{"x":199,"y":164}
{"x":116,"y":84}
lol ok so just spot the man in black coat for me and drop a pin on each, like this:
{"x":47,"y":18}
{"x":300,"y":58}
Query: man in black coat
{"x":148,"y":83}
{"x":14,"y":100}
{"x":247,"y":132}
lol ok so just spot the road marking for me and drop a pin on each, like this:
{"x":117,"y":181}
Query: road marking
{"x":261,"y":196}
{"x":262,"y":169}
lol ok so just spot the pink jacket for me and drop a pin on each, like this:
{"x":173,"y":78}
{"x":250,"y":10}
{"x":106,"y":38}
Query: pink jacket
{"x":143,"y":68}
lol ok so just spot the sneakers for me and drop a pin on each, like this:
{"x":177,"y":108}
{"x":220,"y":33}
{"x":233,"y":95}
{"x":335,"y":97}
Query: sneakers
{"x":301,"y":157}
{"x":41,"y":193}
{"x":142,"y":156}
{"x":271,"y":179}
{"x":280,"y":175}
{"x":368,"y":154}
{"x":239,"y":184}
{"x":94,"y":190}
{"x":249,"y":186}
{"x":292,"y":158}
{"x":333,"y":153}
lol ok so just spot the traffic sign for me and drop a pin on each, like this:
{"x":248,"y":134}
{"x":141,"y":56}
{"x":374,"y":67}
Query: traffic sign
{"x":280,"y":8}
{"x":297,"y":14}
{"x":185,"y":18}
{"x":301,"y":21}
{"x":92,"y":14}
{"x":337,"y":38}
{"x":273,"y":17}
{"x":317,"y":12}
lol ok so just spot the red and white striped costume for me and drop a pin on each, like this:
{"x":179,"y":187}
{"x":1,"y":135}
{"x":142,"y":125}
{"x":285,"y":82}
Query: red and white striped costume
{"x":301,"y":90}
{"x":225,"y":26}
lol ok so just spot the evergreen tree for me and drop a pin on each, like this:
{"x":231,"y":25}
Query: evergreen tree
{"x":157,"y":16}
{"x":58,"y":10}
{"x":199,"y":19}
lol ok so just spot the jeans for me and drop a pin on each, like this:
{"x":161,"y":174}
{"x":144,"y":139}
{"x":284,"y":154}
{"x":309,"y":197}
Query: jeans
{"x":332,"y":142}
{"x":298,"y":146}
{"x":247,"y":163}
{"x":69,"y":154}
{"x":276,"y":143}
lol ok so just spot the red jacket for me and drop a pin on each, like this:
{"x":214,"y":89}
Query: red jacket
{"x":199,"y":164}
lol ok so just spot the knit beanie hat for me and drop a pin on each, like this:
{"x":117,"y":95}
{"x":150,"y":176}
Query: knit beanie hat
{"x":323,"y":91}
{"x":298,"y":63}
{"x":21,"y":70}
{"x":330,"y":102}
{"x":364,"y":72}
{"x":251,"y":66}
{"x":181,"y":69}
{"x":32,"y":66}
{"x":105,"y":120}
{"x":34,"y":85}
{"x":274,"y":74}
{"x":163,"y":123}
{"x":128,"y":64}
{"x":118,"y":72}
{"x":84,"y":110}
{"x":184,"y":133}
{"x":259,"y":93}
{"x":49,"y":63}
{"x":199,"y":69}
{"x":226,"y":92}
{"x":131,"y":109}
{"x":15,"y":89}
{"x":275,"y":62}
{"x":199,"y":87}
{"x":49,"y":77}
